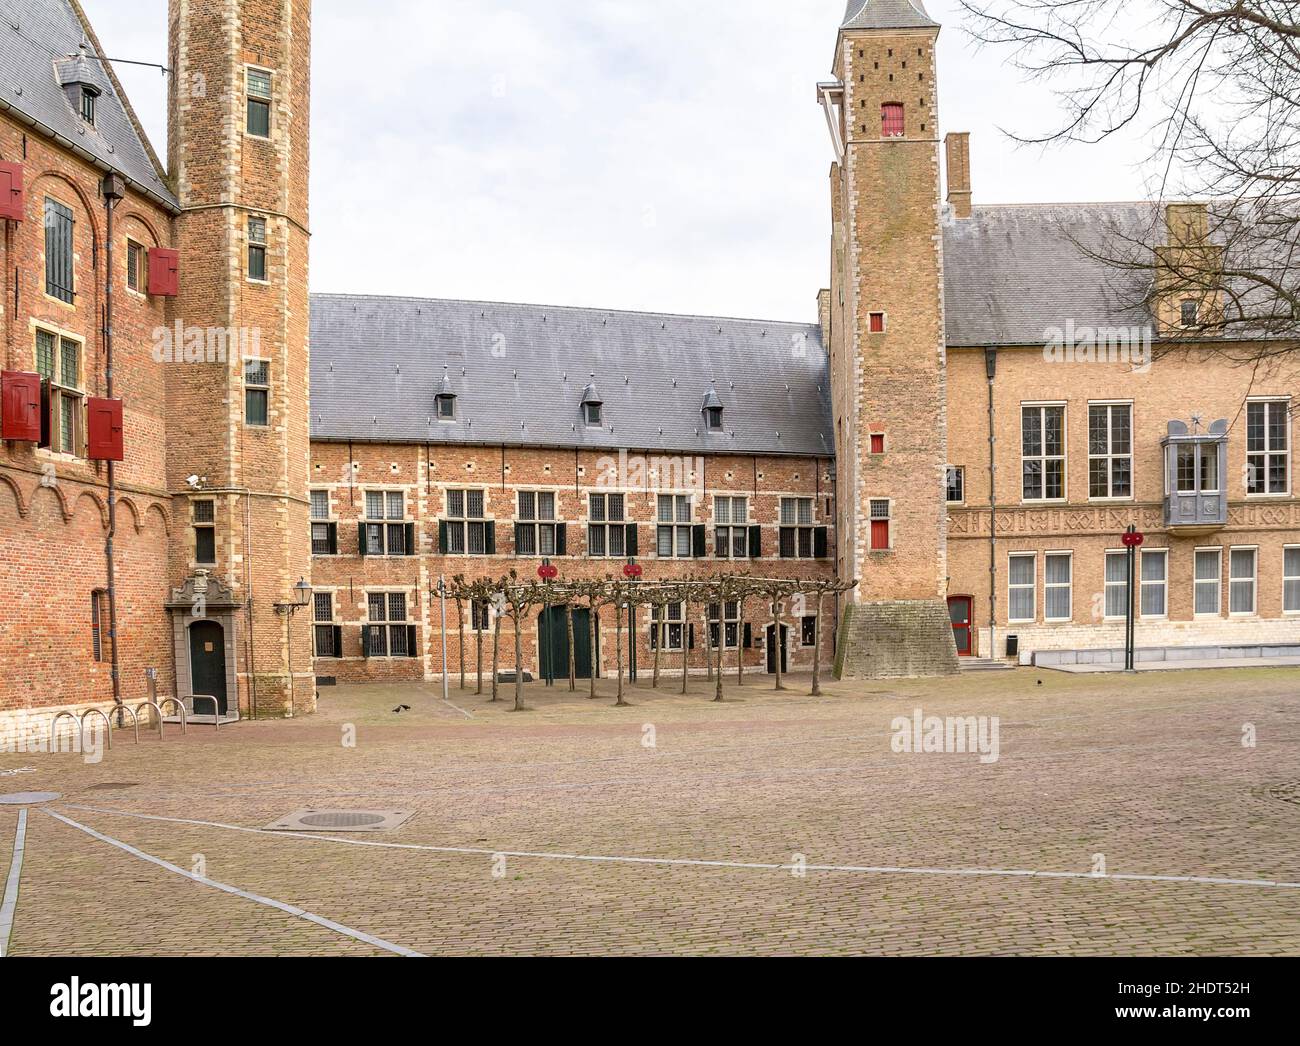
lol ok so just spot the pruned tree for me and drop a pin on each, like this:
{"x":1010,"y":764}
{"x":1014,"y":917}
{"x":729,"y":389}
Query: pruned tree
{"x":522,"y":597}
{"x":1218,"y":84}
{"x":819,"y":589}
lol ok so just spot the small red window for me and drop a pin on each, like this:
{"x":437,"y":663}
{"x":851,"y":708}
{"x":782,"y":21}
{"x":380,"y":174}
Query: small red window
{"x":104,"y":430}
{"x":877,"y":323}
{"x":877,"y":443}
{"x":880,"y":512}
{"x":164,"y":272}
{"x":891,"y":120}
{"x":20,"y":406}
{"x":11,"y":191}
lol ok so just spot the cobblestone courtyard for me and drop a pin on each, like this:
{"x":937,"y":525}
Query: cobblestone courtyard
{"x":558,"y":831}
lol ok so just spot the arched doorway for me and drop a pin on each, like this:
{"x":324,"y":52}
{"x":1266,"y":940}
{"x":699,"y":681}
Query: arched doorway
{"x":208,"y":665}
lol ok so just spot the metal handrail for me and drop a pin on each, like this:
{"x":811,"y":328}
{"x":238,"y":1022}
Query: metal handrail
{"x":216,"y":707}
{"x":54,"y":729}
{"x":180,"y":707}
{"x":108,"y":723}
{"x":157,"y":712}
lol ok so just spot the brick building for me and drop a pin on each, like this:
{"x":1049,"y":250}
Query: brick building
{"x":979,"y":411}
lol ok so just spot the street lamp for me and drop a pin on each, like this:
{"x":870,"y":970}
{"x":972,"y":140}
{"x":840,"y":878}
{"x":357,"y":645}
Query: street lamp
{"x":301,"y":597}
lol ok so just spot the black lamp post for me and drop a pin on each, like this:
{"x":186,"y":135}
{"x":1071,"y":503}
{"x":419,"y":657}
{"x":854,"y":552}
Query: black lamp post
{"x":301,"y":597}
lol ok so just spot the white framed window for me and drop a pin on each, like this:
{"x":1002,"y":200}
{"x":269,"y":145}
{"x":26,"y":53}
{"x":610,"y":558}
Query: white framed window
{"x":535,"y":526}
{"x":674,"y":537}
{"x":1022,"y":581}
{"x":607,"y":525}
{"x":1116,"y":585}
{"x":668,"y":626}
{"x":1197,"y":468}
{"x":257,"y":392}
{"x":956,"y":485}
{"x":731,"y":527}
{"x":728,"y":622}
{"x":257,"y":249}
{"x":1110,"y":450}
{"x":137,"y":267}
{"x":466,"y":524}
{"x":1268,"y":447}
{"x":798,"y":535}
{"x":1243,"y":565}
{"x":258,"y":83}
{"x":1208,"y":601}
{"x":388,"y":632}
{"x":1042,"y":435}
{"x":1155,"y":582}
{"x":1058,"y":586}
{"x":386,"y":533}
{"x":1291,"y":579}
{"x":59,"y":363}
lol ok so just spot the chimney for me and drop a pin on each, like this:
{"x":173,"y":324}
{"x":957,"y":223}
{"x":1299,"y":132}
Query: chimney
{"x":1187,"y":224}
{"x":959,"y":191}
{"x":824,"y":316}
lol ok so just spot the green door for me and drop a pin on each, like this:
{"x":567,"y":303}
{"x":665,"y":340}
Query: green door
{"x":553,"y":642}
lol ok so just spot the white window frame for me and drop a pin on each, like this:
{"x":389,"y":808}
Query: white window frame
{"x":263,"y":244}
{"x":387,"y":521}
{"x":1144,"y":584}
{"x":606,"y":525}
{"x":661,"y":626}
{"x":726,"y":621}
{"x":1063,"y":457}
{"x":61,"y":389}
{"x":1253,"y":579}
{"x":732,"y":526}
{"x":462,"y":523}
{"x":389,"y":623}
{"x":1285,"y":402}
{"x":1292,"y":579}
{"x":1049,"y":585}
{"x":1013,"y":588}
{"x":251,"y":386}
{"x":959,"y":470}
{"x":1107,"y":585}
{"x":538,"y":524}
{"x":678,"y":526}
{"x":268,"y":98}
{"x":1110,"y":457}
{"x":1198,"y":582}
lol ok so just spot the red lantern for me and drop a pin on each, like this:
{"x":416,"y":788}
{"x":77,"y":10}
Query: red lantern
{"x":633,"y":571}
{"x":1134,"y":539}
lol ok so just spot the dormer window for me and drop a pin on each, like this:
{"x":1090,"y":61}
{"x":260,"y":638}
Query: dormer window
{"x":445,"y":401}
{"x":89,"y":96}
{"x":712,"y":411}
{"x":1191,"y":313}
{"x":592,"y":407}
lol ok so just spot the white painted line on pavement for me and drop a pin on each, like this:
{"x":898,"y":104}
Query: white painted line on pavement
{"x":10,"y":902}
{"x":1000,"y":873}
{"x":289,"y":909}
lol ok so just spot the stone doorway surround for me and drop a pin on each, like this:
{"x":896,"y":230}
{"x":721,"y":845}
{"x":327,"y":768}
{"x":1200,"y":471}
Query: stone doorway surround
{"x":201,"y":598}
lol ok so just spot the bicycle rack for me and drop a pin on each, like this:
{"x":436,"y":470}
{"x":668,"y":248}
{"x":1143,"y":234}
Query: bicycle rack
{"x":54,"y":729}
{"x":216,"y":707}
{"x":180,"y":708}
{"x":158,"y":713}
{"x":135,"y":720}
{"x":108,"y":723}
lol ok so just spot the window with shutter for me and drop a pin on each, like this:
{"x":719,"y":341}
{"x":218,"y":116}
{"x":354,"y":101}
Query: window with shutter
{"x":892,"y":123}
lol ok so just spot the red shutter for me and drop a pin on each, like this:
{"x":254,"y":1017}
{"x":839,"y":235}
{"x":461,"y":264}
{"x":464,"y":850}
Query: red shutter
{"x":877,"y":323}
{"x":164,"y":272}
{"x":20,"y":406}
{"x":891,"y":120}
{"x":11,"y":191}
{"x":104,"y":430}
{"x":880,"y":535}
{"x":877,"y":443}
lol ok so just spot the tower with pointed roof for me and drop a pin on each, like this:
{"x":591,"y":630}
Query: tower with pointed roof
{"x":238,"y":122}
{"x":887,"y":341}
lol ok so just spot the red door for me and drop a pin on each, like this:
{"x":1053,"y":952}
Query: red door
{"x":959,"y":612}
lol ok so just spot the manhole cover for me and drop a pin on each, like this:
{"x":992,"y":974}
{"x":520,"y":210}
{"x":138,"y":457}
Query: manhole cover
{"x":28,"y":798}
{"x":341,"y":821}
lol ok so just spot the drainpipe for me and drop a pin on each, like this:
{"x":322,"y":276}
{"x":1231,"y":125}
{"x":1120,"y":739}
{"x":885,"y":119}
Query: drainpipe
{"x":991,"y":369}
{"x":114,"y":189}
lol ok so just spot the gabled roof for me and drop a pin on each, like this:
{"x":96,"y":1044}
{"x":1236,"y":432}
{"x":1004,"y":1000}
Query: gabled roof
{"x":887,"y":14}
{"x":40,"y":50}
{"x":1012,"y":273}
{"x":520,"y":373}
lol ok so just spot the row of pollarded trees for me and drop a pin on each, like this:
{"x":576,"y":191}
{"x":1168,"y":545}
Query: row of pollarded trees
{"x":493,"y":599}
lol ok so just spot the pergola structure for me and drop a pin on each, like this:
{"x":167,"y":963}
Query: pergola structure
{"x":514,"y":597}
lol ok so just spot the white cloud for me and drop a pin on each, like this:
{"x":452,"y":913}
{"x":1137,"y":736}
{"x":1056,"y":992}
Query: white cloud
{"x":666,"y":155}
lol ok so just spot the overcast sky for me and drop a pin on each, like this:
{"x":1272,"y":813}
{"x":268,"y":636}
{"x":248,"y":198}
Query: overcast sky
{"x":614,"y":153}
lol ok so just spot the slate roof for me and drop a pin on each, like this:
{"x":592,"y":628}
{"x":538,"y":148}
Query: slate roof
{"x":519,"y":373}
{"x":887,"y":14}
{"x":37,"y":38}
{"x":1013,"y":272}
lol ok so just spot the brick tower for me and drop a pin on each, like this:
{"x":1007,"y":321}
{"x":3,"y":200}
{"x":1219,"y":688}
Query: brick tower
{"x":238,"y":441}
{"x":887,"y":338}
